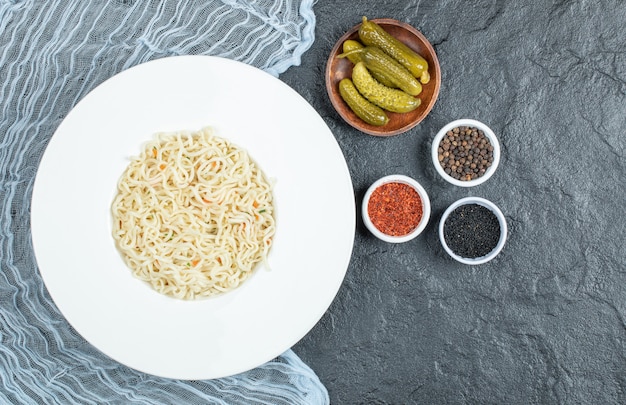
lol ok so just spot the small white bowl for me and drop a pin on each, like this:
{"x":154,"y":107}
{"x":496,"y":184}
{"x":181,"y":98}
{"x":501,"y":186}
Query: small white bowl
{"x":490,"y":136}
{"x":503,"y":230}
{"x":397,"y":178}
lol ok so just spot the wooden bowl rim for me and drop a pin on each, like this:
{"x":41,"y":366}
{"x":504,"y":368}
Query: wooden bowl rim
{"x":356,"y":122}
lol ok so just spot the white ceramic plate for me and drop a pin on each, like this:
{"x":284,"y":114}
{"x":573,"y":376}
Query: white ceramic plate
{"x":122,"y":316}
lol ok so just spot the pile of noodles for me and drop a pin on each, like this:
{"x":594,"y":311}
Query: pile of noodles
{"x":194,"y":215}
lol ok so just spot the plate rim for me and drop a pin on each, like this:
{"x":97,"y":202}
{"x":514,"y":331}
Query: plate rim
{"x":36,"y":204}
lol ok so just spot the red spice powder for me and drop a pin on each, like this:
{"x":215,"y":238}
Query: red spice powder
{"x":395,"y":209}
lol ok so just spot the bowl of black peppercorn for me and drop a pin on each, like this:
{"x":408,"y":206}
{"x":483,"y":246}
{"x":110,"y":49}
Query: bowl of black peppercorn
{"x":466,"y":152}
{"x":473,"y":230}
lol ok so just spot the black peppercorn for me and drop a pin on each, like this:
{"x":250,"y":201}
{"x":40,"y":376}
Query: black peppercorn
{"x":466,"y":146}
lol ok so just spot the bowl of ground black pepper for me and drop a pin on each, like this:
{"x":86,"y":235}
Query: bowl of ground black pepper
{"x":473,"y":230}
{"x":396,"y":208}
{"x":466,"y":152}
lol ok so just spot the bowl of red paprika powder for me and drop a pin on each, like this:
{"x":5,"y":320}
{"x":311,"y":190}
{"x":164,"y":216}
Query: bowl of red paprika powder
{"x":396,"y":208}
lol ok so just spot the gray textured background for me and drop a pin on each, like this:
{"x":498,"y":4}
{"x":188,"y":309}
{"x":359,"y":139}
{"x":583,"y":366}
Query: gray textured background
{"x":545,"y":321}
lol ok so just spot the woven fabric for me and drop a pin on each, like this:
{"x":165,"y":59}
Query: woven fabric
{"x":52,"y":53}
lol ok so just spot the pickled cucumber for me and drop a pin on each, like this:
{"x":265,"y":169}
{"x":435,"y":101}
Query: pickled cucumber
{"x":394,"y":100}
{"x":382,"y":65}
{"x":373,"y":34}
{"x":365,"y":110}
{"x":349,"y":46}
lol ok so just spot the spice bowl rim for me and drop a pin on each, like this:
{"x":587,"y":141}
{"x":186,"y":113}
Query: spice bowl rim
{"x":397,"y":178}
{"x":501,"y":220}
{"x":468,"y":122}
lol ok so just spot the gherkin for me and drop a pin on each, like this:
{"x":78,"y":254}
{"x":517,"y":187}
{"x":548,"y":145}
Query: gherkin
{"x":389,"y":99}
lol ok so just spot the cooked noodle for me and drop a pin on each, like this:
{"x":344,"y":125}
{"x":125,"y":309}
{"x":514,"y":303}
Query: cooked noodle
{"x":194,"y":215}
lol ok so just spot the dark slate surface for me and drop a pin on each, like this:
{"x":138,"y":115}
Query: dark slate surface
{"x":545,"y":321}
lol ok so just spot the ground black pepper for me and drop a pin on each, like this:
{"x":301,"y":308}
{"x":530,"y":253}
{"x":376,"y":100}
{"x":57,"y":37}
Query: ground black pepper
{"x":471,"y":231}
{"x":465,"y":153}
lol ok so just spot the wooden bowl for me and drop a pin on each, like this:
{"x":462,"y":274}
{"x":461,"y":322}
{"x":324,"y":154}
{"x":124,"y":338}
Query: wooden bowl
{"x":340,"y":68}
